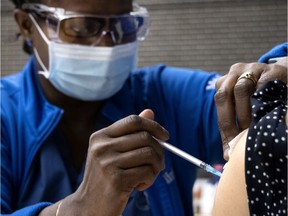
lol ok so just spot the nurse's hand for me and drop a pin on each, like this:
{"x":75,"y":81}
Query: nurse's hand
{"x":233,"y":95}
{"x":121,"y":157}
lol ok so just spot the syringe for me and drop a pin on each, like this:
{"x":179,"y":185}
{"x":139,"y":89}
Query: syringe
{"x":190,"y":158}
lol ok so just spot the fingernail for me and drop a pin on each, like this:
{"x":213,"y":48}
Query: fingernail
{"x":166,"y":133}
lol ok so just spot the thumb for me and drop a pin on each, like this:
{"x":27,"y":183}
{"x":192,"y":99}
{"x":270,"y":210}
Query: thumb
{"x":147,"y":113}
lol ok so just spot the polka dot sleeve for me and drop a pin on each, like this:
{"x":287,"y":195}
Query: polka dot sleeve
{"x":266,"y":151}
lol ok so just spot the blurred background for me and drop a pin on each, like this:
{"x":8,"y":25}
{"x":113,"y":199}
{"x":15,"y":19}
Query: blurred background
{"x":206,"y":34}
{"x":202,"y":34}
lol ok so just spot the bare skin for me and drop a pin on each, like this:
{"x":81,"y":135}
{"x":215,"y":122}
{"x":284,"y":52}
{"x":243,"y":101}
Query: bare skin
{"x":120,"y":157}
{"x":82,"y":127}
{"x":231,"y":196}
{"x":233,"y":98}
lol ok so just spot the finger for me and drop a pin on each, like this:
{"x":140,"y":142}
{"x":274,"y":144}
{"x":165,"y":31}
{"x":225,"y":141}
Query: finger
{"x":243,"y":90}
{"x":139,"y":157}
{"x":145,"y":178}
{"x":134,"y":123}
{"x":107,"y":147}
{"x":226,"y":149}
{"x":147,"y":113}
{"x":265,"y":72}
{"x":226,"y":121}
{"x":138,"y":177}
{"x":135,"y":141}
{"x":273,"y":72}
{"x":224,"y":100}
{"x":220,"y":81}
{"x":225,"y":103}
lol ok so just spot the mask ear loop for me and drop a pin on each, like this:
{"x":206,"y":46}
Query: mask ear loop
{"x":45,"y":72}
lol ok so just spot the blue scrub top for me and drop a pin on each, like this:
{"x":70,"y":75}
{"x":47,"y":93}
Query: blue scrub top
{"x":53,"y":163}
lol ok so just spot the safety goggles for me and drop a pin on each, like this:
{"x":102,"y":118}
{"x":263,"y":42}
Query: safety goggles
{"x":72,"y":27}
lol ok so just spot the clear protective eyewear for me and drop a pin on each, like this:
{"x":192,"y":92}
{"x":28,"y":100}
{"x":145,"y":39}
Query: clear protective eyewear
{"x":72,"y":27}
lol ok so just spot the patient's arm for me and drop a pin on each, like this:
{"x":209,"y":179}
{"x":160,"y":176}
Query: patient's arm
{"x":231,"y":196}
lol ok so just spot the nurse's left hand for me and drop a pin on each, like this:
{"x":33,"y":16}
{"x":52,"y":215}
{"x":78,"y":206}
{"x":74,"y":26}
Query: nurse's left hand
{"x":233,"y":95}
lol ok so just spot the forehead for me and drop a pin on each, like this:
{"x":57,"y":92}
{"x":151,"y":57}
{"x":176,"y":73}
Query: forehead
{"x":100,"y":7}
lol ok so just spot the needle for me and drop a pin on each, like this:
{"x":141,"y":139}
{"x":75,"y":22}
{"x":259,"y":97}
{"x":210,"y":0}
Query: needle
{"x":190,"y":158}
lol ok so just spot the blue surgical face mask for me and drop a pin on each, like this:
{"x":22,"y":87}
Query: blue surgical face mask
{"x":87,"y":73}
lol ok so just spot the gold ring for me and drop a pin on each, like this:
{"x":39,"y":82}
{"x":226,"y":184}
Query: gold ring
{"x":248,"y":75}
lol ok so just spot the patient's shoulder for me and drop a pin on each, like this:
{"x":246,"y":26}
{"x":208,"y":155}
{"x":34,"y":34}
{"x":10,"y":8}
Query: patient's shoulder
{"x":231,"y":196}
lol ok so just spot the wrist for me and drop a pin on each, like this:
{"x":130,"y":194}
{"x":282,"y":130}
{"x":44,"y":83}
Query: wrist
{"x":104,"y":203}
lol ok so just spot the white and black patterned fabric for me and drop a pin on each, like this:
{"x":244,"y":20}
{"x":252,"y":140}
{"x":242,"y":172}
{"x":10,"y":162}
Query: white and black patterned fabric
{"x":266,"y":151}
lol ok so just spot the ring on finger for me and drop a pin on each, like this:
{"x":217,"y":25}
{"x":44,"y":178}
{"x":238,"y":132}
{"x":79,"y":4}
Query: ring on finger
{"x":248,"y":75}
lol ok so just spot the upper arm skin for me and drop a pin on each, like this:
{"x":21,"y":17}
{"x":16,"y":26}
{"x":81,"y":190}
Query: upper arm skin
{"x":231,"y":196}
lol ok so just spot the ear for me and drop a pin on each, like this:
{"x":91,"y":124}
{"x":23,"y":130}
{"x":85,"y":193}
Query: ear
{"x":24,"y":23}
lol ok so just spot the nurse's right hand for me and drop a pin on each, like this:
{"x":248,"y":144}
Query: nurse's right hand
{"x":120,"y":158}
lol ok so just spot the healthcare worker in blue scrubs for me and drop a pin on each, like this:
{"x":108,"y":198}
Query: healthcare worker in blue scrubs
{"x":79,"y":122}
